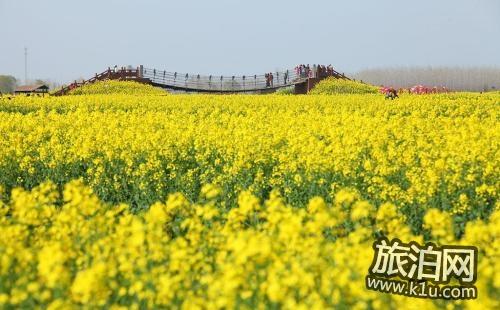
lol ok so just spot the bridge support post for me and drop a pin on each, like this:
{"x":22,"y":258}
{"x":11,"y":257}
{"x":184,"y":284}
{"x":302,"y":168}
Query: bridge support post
{"x":306,"y":86}
{"x":301,"y":89}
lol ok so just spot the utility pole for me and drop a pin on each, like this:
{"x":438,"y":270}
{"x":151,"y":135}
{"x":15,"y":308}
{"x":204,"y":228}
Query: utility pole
{"x":25,"y":66}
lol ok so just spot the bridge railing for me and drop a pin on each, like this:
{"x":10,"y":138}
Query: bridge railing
{"x":109,"y":74}
{"x":221,"y":83}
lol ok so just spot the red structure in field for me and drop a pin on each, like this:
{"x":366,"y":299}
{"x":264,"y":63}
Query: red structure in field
{"x":417,"y":90}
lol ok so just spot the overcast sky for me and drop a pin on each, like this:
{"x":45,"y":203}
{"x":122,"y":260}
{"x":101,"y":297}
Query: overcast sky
{"x":69,"y":39}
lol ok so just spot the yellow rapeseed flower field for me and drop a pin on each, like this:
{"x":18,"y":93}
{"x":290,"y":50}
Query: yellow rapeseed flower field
{"x":212,"y":202}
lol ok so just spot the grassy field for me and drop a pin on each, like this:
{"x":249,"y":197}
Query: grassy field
{"x":239,"y":201}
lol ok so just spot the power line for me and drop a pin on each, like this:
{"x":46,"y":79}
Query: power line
{"x":25,"y":66}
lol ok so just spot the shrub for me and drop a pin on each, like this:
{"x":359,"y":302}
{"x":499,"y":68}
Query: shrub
{"x":286,"y":91}
{"x":337,"y":86}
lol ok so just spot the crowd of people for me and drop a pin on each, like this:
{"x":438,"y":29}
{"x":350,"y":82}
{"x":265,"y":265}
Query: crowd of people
{"x":269,"y":79}
{"x":314,"y":71}
{"x":301,"y":71}
{"x":416,"y":90}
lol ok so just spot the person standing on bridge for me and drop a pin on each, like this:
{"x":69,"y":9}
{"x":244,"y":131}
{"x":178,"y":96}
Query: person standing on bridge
{"x":285,"y":78}
{"x":271,"y":79}
{"x":267,"y":80}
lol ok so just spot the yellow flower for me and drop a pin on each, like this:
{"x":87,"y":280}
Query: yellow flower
{"x":440,"y":224}
{"x":210,"y":191}
{"x":361,"y":209}
{"x":51,"y":265}
{"x":4,"y":298}
{"x":89,"y":285}
{"x":345,"y":197}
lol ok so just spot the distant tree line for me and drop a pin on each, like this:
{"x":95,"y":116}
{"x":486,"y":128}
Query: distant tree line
{"x":454,"y":78}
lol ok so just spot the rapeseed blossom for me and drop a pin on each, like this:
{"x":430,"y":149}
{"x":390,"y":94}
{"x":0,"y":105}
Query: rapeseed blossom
{"x":289,"y":257}
{"x":140,"y":201}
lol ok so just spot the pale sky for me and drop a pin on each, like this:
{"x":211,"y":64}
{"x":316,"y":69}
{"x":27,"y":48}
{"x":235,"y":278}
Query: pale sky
{"x":69,"y":39}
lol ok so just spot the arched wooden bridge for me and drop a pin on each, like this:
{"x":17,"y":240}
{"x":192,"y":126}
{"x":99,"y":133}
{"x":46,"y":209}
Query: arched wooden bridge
{"x":212,"y":83}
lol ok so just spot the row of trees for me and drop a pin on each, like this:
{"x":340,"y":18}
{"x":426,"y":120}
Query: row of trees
{"x":453,"y":78}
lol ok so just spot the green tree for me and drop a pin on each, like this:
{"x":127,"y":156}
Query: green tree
{"x":7,"y":84}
